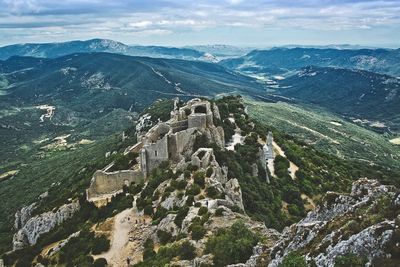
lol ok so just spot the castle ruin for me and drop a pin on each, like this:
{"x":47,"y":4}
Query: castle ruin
{"x":166,"y":141}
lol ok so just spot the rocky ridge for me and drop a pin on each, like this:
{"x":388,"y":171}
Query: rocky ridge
{"x":364,"y":223}
{"x":31,"y":228}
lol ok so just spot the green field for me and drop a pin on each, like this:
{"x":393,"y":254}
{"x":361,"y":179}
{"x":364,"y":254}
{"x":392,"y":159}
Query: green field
{"x":327,"y":132}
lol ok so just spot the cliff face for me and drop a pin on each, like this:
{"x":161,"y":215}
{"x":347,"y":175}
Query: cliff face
{"x":30,"y":229}
{"x":363,"y":223}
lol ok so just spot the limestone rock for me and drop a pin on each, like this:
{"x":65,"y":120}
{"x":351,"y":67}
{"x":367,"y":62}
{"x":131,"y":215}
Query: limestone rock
{"x":234,"y":192}
{"x":23,"y":215}
{"x":370,"y":241}
{"x":43,"y":223}
{"x":167,"y":224}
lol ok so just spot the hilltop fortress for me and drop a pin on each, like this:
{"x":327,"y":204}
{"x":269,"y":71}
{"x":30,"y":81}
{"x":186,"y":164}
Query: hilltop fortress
{"x":172,"y":141}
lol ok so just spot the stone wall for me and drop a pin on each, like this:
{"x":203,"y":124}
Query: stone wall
{"x":197,"y":121}
{"x":111,"y":182}
{"x":155,"y":153}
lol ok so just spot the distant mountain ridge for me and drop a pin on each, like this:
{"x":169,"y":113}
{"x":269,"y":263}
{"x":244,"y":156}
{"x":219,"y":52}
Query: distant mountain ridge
{"x":353,"y":93}
{"x":282,"y":60}
{"x":54,"y":50}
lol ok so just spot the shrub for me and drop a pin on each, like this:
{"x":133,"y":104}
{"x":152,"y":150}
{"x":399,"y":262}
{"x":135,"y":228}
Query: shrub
{"x":231,"y":245}
{"x":148,"y":252}
{"x":180,"y":216}
{"x":198,"y":231}
{"x":100,"y":244}
{"x":164,"y":237}
{"x":350,"y":260}
{"x":192,"y":168}
{"x":219,"y":212}
{"x":212,"y":192}
{"x":190,"y":200}
{"x":148,"y":210}
{"x":187,"y":174}
{"x":181,"y":185}
{"x":187,"y":251}
{"x":160,"y":213}
{"x":193,"y":190}
{"x":202,"y":210}
{"x":199,"y":178}
{"x":197,"y":204}
{"x":100,"y":262}
{"x":293,"y":259}
{"x":209,"y":172}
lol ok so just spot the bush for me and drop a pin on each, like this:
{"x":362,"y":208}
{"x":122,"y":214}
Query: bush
{"x":199,"y":178}
{"x":212,"y":192}
{"x":209,"y":172}
{"x":164,"y":237}
{"x":202,"y":210}
{"x":197,"y":204}
{"x":160,"y":213}
{"x":232,"y":245}
{"x":148,"y":252}
{"x":293,"y":259}
{"x":219,"y":212}
{"x":100,"y":262}
{"x":350,"y":260}
{"x":180,"y":216}
{"x":187,"y":174}
{"x":148,"y":210}
{"x":193,"y":190}
{"x":187,"y":251}
{"x":190,"y":200}
{"x":100,"y":244}
{"x":198,"y":231}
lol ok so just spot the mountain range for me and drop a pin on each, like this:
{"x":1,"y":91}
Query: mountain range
{"x":53,"y":50}
{"x":283,"y":60}
{"x":356,"y":94}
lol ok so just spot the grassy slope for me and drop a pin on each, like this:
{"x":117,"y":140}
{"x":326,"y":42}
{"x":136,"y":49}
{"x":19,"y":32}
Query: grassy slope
{"x":313,"y":126}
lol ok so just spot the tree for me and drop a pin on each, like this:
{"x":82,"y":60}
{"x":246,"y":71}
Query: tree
{"x":100,"y":244}
{"x":100,"y":262}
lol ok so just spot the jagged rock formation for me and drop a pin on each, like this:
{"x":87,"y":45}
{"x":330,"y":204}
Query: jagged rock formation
{"x":364,"y":223}
{"x":30,"y":230}
{"x":23,"y":215}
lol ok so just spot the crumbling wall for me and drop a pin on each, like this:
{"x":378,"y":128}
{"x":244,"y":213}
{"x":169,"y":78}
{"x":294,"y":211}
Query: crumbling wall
{"x":197,"y":120}
{"x":110,"y":182}
{"x":156,"y":153}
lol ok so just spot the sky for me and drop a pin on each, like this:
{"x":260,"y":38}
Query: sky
{"x":198,"y":22}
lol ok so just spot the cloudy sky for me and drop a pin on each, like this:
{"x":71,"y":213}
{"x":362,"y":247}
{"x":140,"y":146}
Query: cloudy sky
{"x":186,"y":22}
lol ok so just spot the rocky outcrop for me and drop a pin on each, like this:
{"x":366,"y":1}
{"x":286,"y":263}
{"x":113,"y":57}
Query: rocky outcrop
{"x":34,"y":227}
{"x":23,"y":215}
{"x":344,"y":224}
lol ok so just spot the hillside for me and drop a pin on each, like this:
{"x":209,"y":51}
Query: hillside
{"x":58,"y":95}
{"x":355,"y":94}
{"x":54,"y":50}
{"x":208,"y":204}
{"x":61,"y":112}
{"x":283,"y":60}
{"x":327,"y":132}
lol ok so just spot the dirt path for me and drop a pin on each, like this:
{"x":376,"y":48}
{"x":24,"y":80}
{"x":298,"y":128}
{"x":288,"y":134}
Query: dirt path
{"x":130,"y":230}
{"x":119,"y":239}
